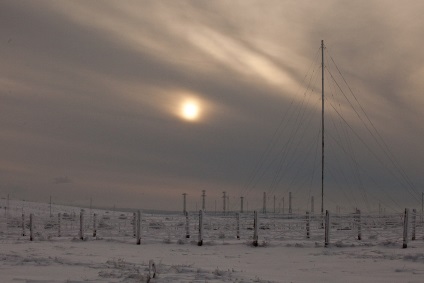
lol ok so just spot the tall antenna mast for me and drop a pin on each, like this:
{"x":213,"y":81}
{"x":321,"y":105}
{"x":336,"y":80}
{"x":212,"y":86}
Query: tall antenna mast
{"x":322,"y":130}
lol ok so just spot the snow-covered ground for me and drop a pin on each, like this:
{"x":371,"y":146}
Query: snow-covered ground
{"x":284,"y":253}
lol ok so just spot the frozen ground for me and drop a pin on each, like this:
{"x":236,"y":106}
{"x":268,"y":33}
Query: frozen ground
{"x":281,"y":257}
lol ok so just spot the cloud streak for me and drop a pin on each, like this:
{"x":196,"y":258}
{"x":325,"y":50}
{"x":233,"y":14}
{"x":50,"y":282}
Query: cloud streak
{"x":92,"y":91}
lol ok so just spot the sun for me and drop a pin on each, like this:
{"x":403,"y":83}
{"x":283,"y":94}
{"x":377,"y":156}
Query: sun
{"x":190,"y":111}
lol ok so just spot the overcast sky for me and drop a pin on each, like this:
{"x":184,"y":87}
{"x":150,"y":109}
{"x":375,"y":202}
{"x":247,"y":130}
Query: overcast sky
{"x":133,"y":103}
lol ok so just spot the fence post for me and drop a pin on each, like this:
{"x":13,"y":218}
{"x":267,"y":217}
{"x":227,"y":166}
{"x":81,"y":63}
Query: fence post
{"x":238,"y":225}
{"x":200,"y":241}
{"x":31,"y":227}
{"x":405,"y":228}
{"x":307,"y":225}
{"x":95,"y":225}
{"x":358,"y":212}
{"x":255,"y":228}
{"x":134,"y":224}
{"x":414,"y":223}
{"x":138,"y":225}
{"x":81,"y":230}
{"x":23,"y":224}
{"x":187,"y":225}
{"x":59,"y":220}
{"x":327,"y":228}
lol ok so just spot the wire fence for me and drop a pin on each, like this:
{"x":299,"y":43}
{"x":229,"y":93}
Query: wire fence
{"x":343,"y":229}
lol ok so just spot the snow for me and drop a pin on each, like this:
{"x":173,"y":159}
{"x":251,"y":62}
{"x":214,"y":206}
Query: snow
{"x":282,"y":256}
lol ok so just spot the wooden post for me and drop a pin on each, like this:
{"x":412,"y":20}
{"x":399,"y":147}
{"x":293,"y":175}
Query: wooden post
{"x":81,"y":231}
{"x":307,"y":225}
{"x":358,"y":220}
{"x":138,"y":225}
{"x":405,"y":228}
{"x":187,"y":225}
{"x":31,"y":227}
{"x":95,"y":225}
{"x":134,"y":224}
{"x":59,"y":225}
{"x":238,"y":225}
{"x":184,"y":202}
{"x":200,"y":240}
{"x":23,"y":224}
{"x":290,"y":203}
{"x":255,"y":229}
{"x":203,"y":200}
{"x":327,"y":228}
{"x":414,"y":223}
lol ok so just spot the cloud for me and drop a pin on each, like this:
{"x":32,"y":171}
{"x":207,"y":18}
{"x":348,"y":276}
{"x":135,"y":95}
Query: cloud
{"x":93,"y":89}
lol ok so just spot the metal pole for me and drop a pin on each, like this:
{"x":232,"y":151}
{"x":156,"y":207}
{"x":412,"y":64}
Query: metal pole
{"x":322,"y":130}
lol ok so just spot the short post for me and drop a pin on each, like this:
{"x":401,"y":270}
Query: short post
{"x":81,"y":230}
{"x":307,"y":225}
{"x":95,"y":225}
{"x":414,"y":223}
{"x":138,"y":225}
{"x":134,"y":224}
{"x":255,"y":228}
{"x":31,"y":227}
{"x":358,"y":219}
{"x":187,"y":225}
{"x":405,"y":228}
{"x":327,"y":228}
{"x":200,"y":240}
{"x":59,"y":220}
{"x":238,"y":225}
{"x":23,"y":224}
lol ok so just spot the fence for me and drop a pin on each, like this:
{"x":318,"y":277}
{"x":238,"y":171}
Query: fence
{"x":337,"y":229}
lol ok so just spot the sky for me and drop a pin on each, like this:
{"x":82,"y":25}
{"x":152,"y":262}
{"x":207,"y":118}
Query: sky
{"x":133,"y":103}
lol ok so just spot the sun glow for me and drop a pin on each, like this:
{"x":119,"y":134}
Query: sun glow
{"x":190,"y":111}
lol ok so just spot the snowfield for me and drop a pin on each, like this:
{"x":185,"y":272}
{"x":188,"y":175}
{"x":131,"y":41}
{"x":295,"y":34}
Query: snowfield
{"x":284,"y":253}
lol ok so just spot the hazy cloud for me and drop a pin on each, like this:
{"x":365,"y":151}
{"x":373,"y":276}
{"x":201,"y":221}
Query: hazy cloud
{"x":94,"y":88}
